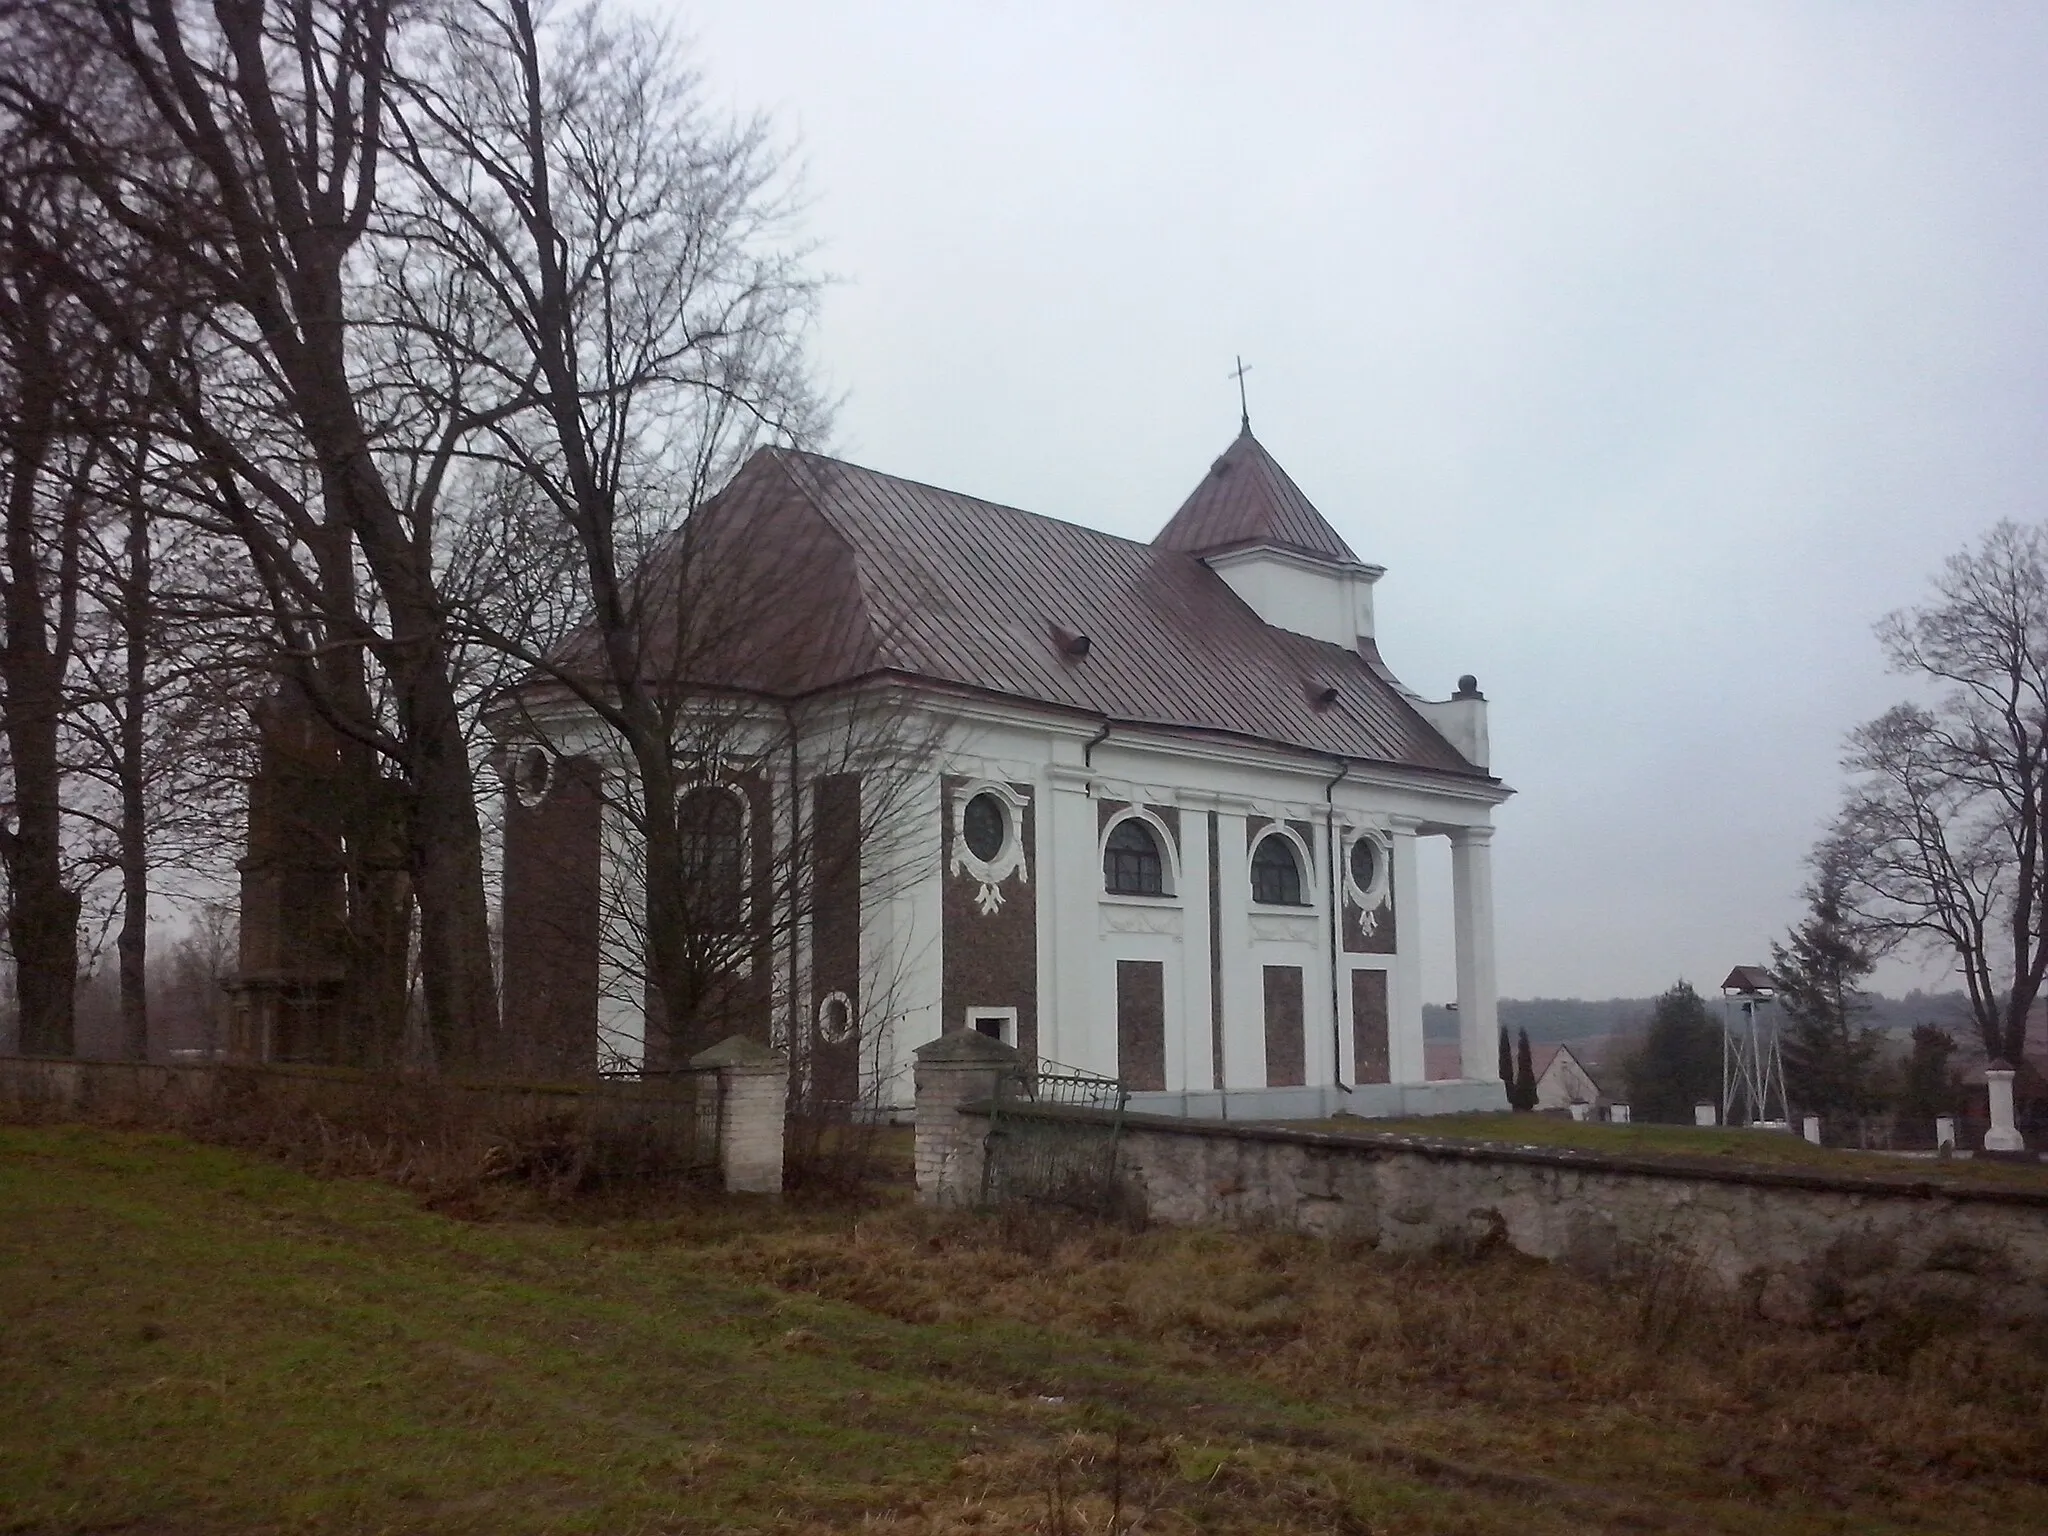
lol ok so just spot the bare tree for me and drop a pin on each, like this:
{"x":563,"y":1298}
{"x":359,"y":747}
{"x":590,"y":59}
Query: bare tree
{"x":53,"y":380}
{"x":1943,"y":822}
{"x":234,"y":153}
{"x":601,"y":276}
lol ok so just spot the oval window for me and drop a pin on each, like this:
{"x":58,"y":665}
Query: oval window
{"x":835,"y":1019}
{"x":986,"y":826}
{"x":1365,"y":863}
{"x":532,"y":775}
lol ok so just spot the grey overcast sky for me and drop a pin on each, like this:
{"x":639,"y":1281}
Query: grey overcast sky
{"x":1656,"y":351}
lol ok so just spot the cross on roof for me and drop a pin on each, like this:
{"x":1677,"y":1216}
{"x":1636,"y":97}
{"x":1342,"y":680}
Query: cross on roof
{"x":1244,"y":409}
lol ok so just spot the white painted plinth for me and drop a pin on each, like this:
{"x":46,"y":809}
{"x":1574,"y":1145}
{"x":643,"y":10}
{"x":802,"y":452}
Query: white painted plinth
{"x":1705,"y":1114}
{"x":1811,"y":1128}
{"x":2003,"y":1136}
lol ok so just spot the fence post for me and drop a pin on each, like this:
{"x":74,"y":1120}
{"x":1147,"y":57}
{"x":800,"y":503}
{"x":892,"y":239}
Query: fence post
{"x":753,"y":1102}
{"x":963,"y":1067}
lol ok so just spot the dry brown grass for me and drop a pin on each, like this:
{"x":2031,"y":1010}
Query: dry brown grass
{"x":456,"y":1143}
{"x":1501,"y":1363}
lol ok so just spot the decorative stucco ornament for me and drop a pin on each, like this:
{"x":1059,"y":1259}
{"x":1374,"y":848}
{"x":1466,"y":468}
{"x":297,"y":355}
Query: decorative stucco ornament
{"x":999,"y":830}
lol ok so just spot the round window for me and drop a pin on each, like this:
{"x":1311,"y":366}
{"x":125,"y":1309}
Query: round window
{"x":1365,"y":863}
{"x":985,"y":826}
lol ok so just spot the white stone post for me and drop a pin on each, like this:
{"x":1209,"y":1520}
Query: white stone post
{"x":1705,"y":1114}
{"x":2003,"y":1136}
{"x":1582,"y":1112}
{"x":1944,"y":1131}
{"x":753,"y":1106}
{"x":1617,"y":1114}
{"x":963,"y":1067}
{"x":1478,"y":1001}
{"x":1812,"y":1129}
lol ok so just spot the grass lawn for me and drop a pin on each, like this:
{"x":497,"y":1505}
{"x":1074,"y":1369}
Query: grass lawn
{"x":195,"y":1340}
{"x":1710,"y":1143}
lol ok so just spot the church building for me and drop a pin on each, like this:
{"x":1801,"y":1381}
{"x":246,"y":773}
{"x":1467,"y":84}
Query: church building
{"x":1141,"y":809}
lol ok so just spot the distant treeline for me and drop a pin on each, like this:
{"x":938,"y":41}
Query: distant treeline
{"x":1550,"y":1020}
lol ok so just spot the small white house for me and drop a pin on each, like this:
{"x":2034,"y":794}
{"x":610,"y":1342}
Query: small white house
{"x":1162,"y":821}
{"x":1561,"y":1079}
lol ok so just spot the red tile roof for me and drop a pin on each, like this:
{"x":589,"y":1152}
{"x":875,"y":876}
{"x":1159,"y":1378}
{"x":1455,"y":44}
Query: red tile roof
{"x":807,"y":573}
{"x":1247,"y":499}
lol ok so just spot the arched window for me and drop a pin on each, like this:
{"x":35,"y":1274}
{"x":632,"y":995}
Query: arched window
{"x":1131,"y":862}
{"x":712,"y":828}
{"x":1276,"y":873}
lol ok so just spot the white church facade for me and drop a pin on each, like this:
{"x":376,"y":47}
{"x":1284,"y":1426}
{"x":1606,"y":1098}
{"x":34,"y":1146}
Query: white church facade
{"x":1149,"y":810}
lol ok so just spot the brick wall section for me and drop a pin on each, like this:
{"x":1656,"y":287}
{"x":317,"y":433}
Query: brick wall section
{"x":835,"y":932}
{"x":1141,"y":1024}
{"x":990,"y":959}
{"x":1370,"y":1046}
{"x":551,"y":923}
{"x":1286,"y":1044}
{"x":732,"y":999}
{"x":1796,"y":1246}
{"x":963,"y":1067}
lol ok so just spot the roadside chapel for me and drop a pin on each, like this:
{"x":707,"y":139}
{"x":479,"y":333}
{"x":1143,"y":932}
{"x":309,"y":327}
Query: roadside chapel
{"x":1142,"y":809}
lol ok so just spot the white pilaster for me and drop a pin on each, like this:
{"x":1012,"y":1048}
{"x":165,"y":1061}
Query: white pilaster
{"x":1478,"y":1000}
{"x":1405,"y":1059}
{"x":1244,"y":997}
{"x":1190,"y":1057}
{"x":1078,"y":1026}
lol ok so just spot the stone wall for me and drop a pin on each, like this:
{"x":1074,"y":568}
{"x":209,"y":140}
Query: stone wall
{"x":1798,"y":1246}
{"x":727,"y":1112}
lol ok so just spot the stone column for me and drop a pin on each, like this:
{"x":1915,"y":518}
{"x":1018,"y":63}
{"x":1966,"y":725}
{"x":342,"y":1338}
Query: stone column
{"x":1478,"y":1010}
{"x":963,"y":1067}
{"x":753,"y":1103}
{"x":2003,"y":1136}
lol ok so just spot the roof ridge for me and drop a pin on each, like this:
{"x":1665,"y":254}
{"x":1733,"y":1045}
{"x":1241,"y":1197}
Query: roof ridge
{"x":983,"y":501}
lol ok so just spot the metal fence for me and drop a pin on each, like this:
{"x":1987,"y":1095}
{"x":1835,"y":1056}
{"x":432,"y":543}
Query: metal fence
{"x":1068,"y":1160}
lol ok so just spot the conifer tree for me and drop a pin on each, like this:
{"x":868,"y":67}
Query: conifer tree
{"x":1678,"y":1064}
{"x":1507,"y":1063}
{"x":1523,"y":1094}
{"x":1829,"y":1055}
{"x":1928,"y":1087}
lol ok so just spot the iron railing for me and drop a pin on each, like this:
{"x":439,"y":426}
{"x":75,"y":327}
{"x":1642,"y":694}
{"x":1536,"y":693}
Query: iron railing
{"x":1059,"y":1160}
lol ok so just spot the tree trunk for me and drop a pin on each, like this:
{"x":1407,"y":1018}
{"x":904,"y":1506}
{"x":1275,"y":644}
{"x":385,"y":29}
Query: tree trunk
{"x":133,"y":942}
{"x":42,"y":914}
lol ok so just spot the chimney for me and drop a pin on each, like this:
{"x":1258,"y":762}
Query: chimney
{"x":1461,"y":720}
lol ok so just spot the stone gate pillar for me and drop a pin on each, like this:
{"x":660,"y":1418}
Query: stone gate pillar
{"x":963,"y":1067}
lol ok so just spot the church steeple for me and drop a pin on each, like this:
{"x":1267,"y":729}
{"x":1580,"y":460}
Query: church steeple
{"x":1250,"y":524}
{"x":1247,"y":500}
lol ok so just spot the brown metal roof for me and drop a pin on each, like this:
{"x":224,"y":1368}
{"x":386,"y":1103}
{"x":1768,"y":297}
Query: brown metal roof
{"x":806,"y":573}
{"x":1247,"y":499}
